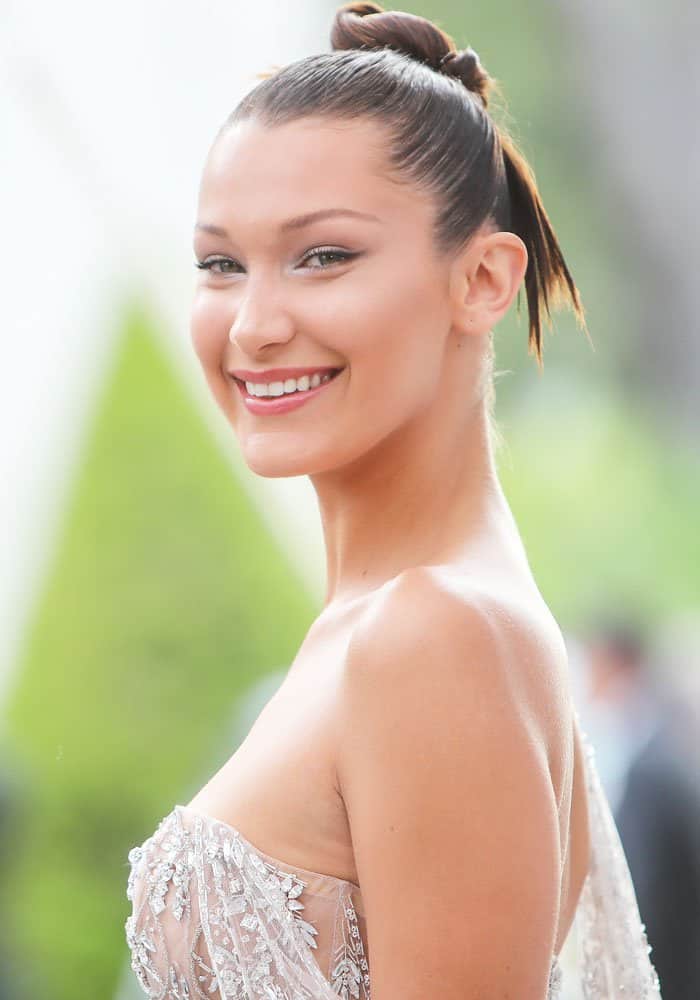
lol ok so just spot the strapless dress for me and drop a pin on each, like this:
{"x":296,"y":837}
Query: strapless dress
{"x":215,"y":917}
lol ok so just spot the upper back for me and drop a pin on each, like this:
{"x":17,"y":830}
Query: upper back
{"x":513,"y":612}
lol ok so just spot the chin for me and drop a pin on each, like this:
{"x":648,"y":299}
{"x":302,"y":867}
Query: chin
{"x":282,"y":466}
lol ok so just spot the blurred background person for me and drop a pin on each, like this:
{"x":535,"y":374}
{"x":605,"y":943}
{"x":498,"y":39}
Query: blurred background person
{"x":641,"y":707}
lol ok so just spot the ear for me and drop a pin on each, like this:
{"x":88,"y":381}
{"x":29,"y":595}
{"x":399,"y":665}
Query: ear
{"x":485,"y":279}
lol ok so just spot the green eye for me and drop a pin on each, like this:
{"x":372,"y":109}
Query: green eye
{"x":208,"y":264}
{"x":340,"y":255}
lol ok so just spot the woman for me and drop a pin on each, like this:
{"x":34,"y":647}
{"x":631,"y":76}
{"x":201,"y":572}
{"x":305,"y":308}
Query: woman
{"x":362,"y":226}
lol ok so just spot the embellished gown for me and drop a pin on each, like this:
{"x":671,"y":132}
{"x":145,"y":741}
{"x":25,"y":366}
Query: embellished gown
{"x":214,"y":917}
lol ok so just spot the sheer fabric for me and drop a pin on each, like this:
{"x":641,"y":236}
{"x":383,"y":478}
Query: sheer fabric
{"x":612,"y":946}
{"x":214,"y":917}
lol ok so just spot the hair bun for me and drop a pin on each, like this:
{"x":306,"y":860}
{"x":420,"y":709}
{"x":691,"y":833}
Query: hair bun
{"x":369,"y":26}
{"x":466,"y":66}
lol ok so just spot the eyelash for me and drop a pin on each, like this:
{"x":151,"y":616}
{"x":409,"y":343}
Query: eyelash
{"x":206,"y":265}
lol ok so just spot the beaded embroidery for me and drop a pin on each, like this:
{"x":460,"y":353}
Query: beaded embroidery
{"x":213,"y":919}
{"x":249,"y":938}
{"x":613,"y":946}
{"x":350,"y":969}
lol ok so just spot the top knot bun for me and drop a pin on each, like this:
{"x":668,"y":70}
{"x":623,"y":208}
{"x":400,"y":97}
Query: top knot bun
{"x":369,"y":26}
{"x":466,"y":66}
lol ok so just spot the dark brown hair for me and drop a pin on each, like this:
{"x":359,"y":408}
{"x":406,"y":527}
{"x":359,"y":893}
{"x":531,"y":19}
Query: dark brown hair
{"x":405,"y":72}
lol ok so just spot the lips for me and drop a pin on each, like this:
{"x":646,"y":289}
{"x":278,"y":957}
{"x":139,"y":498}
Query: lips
{"x":277,"y":405}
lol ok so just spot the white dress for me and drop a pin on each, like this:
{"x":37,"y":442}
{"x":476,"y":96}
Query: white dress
{"x":214,"y":917}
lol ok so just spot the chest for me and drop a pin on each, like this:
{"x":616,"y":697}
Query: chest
{"x":279,"y":787}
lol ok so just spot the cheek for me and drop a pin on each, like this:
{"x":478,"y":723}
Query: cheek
{"x":208,"y":333}
{"x":399,"y":325}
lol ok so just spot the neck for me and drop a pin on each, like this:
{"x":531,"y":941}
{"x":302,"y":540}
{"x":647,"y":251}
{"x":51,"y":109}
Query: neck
{"x":422,"y":496}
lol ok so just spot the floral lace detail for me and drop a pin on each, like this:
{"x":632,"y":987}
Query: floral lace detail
{"x":350,"y":969}
{"x":244,"y":914}
{"x":215,"y":919}
{"x":614,"y":949}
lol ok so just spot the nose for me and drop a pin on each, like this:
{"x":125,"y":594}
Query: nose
{"x":260,"y":320}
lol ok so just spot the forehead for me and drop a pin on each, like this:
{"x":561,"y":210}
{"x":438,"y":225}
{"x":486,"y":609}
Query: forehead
{"x":306,"y":163}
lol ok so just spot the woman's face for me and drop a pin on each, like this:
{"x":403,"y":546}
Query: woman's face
{"x":325,"y":263}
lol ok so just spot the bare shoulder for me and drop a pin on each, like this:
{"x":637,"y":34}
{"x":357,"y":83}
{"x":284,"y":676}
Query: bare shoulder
{"x":423,"y":599}
{"x":444,"y":767}
{"x":430,"y":631}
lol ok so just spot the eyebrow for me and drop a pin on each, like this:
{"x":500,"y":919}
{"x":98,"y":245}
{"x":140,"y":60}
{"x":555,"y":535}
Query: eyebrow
{"x":298,"y":222}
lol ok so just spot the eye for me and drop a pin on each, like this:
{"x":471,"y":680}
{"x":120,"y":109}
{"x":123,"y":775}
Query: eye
{"x":341,"y":256}
{"x":332,"y":255}
{"x":208,"y":264}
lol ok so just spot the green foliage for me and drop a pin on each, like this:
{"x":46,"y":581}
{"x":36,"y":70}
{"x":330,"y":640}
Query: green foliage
{"x":606,"y":506}
{"x":166,"y":599}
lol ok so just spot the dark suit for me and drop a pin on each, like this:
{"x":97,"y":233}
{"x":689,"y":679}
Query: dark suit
{"x":658,"y":818}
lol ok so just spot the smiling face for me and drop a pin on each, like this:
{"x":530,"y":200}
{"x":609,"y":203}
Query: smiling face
{"x":361,"y":289}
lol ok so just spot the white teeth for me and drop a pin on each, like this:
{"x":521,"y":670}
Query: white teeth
{"x":290,"y":385}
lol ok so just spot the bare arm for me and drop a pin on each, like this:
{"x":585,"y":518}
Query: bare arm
{"x":452,"y":811}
